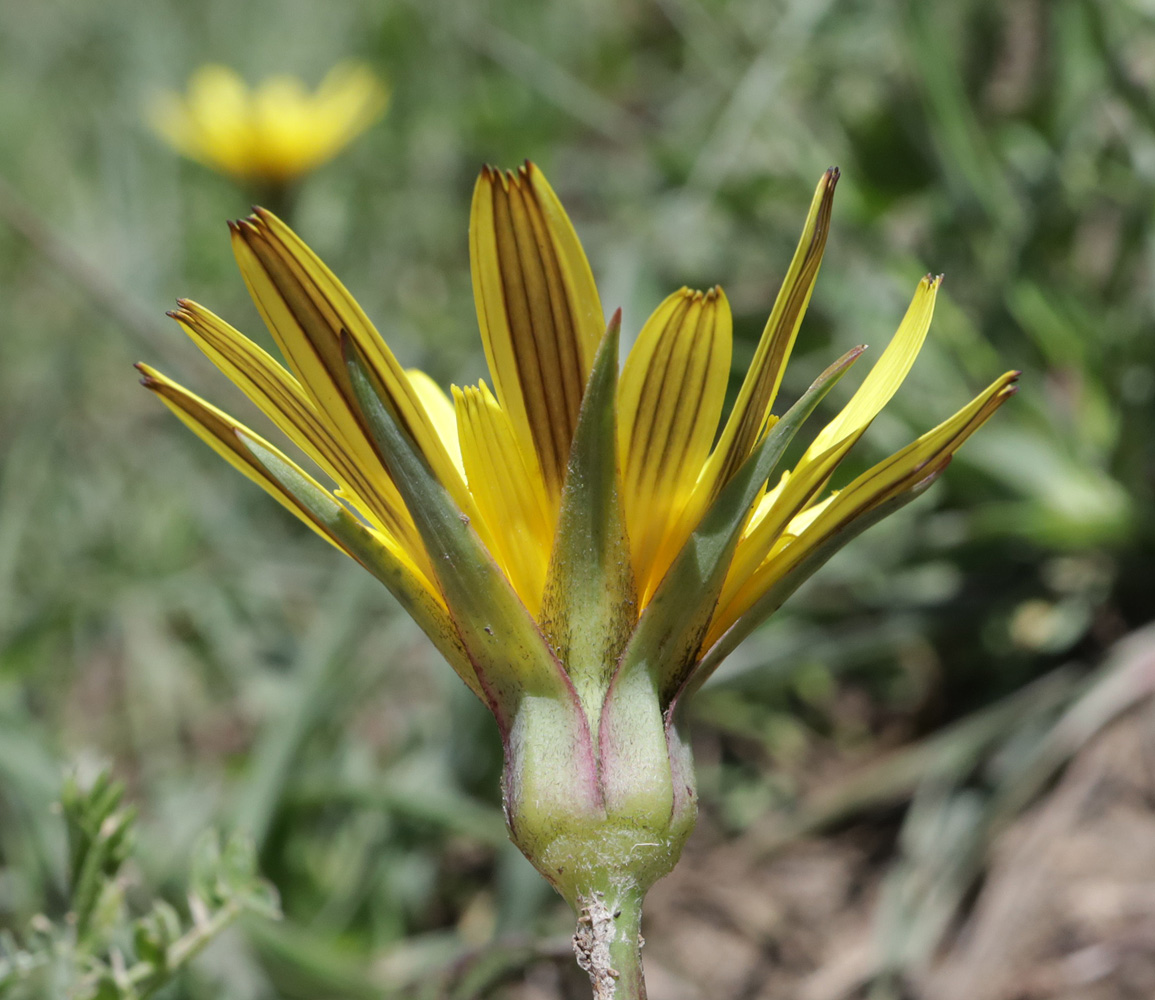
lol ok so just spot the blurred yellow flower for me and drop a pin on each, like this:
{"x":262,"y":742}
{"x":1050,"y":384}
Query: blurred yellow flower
{"x":274,"y":133}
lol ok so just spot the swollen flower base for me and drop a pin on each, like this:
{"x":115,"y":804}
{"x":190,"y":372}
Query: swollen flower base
{"x":583,"y":544}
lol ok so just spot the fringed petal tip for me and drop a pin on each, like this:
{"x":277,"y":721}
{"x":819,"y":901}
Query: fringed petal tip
{"x":258,"y":222}
{"x":492,"y":176}
{"x":526,"y":173}
{"x":185,"y":309}
{"x":708,"y":296}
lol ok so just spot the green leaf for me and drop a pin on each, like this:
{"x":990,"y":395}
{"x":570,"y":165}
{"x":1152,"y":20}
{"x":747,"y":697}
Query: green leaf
{"x":666,"y":640}
{"x":100,"y":836}
{"x":239,"y":862}
{"x":154,"y":934}
{"x":590,"y":600}
{"x":204,"y":872}
{"x":776,"y":596}
{"x":263,"y":900}
{"x":508,"y":651}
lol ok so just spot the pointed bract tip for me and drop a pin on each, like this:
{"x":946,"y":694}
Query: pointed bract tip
{"x":831,"y":177}
{"x":615,"y":322}
{"x":844,"y":362}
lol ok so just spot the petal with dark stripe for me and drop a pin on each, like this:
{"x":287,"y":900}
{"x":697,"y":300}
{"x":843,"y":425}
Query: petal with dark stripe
{"x":886,"y":480}
{"x":508,"y":497}
{"x":538,"y":309}
{"x":282,"y":399}
{"x":299,"y":493}
{"x":760,"y":387}
{"x":670,"y":398}
{"x":836,"y":439}
{"x":306,"y":309}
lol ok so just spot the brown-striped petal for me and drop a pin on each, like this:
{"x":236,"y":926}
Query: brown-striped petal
{"x":539,"y":312}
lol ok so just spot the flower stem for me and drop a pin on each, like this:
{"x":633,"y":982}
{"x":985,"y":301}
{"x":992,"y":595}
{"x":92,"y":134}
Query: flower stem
{"x":608,"y":944}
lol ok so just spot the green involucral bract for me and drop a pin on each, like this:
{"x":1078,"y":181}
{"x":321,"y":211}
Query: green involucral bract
{"x":558,"y":766}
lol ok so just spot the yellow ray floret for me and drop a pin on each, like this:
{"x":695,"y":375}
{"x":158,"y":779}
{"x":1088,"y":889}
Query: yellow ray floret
{"x":539,"y":312}
{"x":750,"y":416}
{"x":228,"y":438}
{"x":509,"y":497}
{"x":833,"y":442}
{"x":651,"y":495}
{"x":280,"y":396}
{"x":306,"y":309}
{"x":888,"y":374}
{"x":440,"y":409}
{"x":670,"y":399}
{"x":275,"y":132}
{"x":894,"y":475}
{"x":759,"y":389}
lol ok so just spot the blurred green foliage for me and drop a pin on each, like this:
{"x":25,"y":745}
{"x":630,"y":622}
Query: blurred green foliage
{"x":157,"y":611}
{"x":95,"y":952}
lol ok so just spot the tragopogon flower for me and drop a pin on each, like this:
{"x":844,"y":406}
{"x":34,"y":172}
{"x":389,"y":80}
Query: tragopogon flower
{"x":584,"y":545}
{"x":274,"y":133}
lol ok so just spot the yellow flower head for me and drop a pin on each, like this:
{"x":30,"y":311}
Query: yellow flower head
{"x":502,"y":454}
{"x":274,"y":133}
{"x":583,"y":544}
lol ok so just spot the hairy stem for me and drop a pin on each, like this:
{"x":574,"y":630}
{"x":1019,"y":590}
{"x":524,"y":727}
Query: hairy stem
{"x":608,"y":944}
